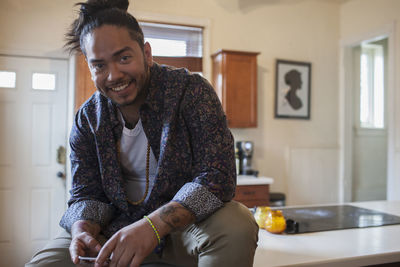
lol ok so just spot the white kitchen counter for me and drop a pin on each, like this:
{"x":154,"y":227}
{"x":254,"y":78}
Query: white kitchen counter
{"x":251,"y":180}
{"x":348,"y":247}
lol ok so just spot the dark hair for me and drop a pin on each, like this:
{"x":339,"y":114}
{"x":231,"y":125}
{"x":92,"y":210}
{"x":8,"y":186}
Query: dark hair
{"x":95,"y":13}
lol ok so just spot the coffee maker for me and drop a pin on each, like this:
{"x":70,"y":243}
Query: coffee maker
{"x":245,"y":153}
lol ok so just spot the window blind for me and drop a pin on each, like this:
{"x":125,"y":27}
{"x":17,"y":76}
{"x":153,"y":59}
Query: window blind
{"x":173,"y":40}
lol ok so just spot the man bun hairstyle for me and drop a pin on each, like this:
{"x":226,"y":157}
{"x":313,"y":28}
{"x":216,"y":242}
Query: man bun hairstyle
{"x":95,"y":13}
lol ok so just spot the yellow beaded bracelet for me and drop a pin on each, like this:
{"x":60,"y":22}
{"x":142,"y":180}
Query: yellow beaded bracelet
{"x":154,"y":228}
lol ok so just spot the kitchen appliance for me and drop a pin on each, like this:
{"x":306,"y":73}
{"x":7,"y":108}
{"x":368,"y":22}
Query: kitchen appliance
{"x":245,"y":153}
{"x":335,"y":217}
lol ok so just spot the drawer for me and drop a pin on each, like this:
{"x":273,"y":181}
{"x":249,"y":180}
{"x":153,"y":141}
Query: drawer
{"x":252,"y":192}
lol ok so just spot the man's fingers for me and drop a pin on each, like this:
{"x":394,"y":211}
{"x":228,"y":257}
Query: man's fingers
{"x":74,"y":257}
{"x":72,"y":251}
{"x":106,"y":251}
{"x":76,"y":250}
{"x":116,"y":257}
{"x":136,"y":261}
{"x":121,"y":257}
{"x":91,"y":243}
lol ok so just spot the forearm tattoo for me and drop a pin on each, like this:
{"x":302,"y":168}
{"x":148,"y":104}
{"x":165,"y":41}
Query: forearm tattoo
{"x":176,"y":217}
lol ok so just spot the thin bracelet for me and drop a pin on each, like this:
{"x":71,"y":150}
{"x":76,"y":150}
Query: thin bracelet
{"x":154,"y":228}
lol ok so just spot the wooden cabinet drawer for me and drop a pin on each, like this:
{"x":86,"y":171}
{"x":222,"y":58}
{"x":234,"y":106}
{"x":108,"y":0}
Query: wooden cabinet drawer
{"x":252,"y":195}
{"x":252,"y":192}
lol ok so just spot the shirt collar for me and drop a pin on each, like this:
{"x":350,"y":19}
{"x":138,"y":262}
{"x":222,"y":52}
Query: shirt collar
{"x":154,"y":87}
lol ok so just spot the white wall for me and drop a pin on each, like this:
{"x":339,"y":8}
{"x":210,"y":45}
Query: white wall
{"x":34,"y":27}
{"x":302,"y":30}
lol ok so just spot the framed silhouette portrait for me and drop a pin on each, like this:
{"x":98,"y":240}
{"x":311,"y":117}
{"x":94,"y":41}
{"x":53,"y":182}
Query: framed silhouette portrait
{"x":292,"y":89}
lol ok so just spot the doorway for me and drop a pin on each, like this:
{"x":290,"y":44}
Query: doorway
{"x":367,"y":117}
{"x":369,"y":137}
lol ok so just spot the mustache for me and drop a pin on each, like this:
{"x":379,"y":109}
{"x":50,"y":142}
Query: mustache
{"x":120,"y":82}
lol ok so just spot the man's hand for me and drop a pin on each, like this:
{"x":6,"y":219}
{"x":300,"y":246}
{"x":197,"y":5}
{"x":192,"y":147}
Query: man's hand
{"x":129,"y":246}
{"x":84,"y":241}
{"x":133,"y":243}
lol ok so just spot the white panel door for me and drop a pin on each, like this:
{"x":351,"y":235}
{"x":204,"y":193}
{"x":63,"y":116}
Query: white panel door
{"x":33,"y":114}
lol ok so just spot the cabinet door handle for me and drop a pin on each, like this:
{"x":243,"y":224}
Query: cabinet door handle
{"x":249,"y":192}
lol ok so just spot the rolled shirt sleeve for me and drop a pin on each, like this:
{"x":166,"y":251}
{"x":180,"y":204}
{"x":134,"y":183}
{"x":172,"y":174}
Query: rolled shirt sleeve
{"x":196,"y":198}
{"x":91,"y":210}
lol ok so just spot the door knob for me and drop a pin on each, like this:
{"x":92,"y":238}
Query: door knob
{"x":61,"y":175}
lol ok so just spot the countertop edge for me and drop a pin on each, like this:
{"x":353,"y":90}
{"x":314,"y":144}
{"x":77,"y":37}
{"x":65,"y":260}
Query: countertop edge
{"x":254,"y":181}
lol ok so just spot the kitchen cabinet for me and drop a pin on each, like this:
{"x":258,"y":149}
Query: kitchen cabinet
{"x":253,"y":192}
{"x":235,"y":80}
{"x":252,"y":195}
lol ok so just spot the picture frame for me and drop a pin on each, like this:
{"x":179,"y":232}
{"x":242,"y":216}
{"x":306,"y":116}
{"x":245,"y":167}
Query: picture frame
{"x":292,"y":89}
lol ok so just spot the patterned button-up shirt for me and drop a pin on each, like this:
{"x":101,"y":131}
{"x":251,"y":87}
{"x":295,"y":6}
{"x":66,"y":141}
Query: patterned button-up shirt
{"x":187,"y":131}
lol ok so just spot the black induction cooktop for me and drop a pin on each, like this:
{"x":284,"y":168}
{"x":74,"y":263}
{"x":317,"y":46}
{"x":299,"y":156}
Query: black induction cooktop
{"x":324,"y":218}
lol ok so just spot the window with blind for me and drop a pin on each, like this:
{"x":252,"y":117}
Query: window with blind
{"x":175,"y":45}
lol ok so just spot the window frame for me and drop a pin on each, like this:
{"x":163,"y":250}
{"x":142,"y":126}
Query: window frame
{"x":371,"y":51}
{"x":193,"y":64}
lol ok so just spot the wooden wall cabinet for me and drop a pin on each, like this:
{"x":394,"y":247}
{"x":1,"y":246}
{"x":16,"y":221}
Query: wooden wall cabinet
{"x":235,"y":81}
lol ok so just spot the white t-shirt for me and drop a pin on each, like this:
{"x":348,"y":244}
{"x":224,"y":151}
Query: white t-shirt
{"x":133,"y":150}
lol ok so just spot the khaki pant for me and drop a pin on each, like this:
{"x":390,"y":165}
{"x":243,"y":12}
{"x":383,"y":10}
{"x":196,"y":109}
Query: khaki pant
{"x":227,"y":238}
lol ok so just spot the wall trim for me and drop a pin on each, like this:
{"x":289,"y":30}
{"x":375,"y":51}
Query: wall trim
{"x":13,"y":54}
{"x":70,"y":121}
{"x":59,"y":54}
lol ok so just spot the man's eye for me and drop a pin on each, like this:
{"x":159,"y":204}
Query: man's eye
{"x":125,"y":58}
{"x":98,"y":66}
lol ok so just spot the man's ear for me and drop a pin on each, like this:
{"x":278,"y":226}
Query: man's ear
{"x":147,"y":54}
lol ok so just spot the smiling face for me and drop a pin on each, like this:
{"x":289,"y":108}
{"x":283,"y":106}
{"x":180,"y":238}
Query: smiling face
{"x":118,"y":65}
